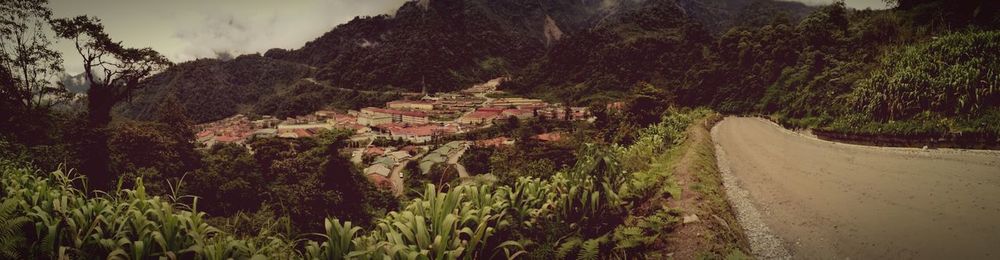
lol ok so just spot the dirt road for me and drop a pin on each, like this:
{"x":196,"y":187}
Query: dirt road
{"x":827,"y":200}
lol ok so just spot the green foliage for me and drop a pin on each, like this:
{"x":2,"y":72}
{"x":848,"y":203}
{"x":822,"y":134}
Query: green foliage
{"x":113,"y":72}
{"x":211,"y":89}
{"x":28,"y":62}
{"x":304,"y":179}
{"x":477,"y":160}
{"x":956,"y":74}
{"x":439,"y":225}
{"x":583,"y":204}
{"x":11,"y":228}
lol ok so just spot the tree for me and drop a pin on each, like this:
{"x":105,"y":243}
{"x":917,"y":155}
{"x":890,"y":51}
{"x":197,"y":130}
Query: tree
{"x":647,"y":104}
{"x":228,"y":182}
{"x":113,"y":72}
{"x":28,"y":68}
{"x":25,"y":55}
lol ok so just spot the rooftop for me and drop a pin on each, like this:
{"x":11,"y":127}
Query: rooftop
{"x":394,"y":112}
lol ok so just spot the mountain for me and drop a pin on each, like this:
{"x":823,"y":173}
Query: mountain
{"x":444,"y":45}
{"x":74,"y":83}
{"x":719,"y":16}
{"x":211,"y":89}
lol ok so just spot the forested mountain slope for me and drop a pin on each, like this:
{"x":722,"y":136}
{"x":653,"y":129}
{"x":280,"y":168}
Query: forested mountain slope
{"x":212,"y":89}
{"x":445,"y":45}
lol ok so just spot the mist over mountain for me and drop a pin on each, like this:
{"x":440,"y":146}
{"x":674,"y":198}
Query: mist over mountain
{"x":74,"y":83}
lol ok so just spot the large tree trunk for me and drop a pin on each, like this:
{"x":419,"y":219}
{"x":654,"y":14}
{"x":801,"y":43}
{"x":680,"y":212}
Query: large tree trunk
{"x":95,"y":153}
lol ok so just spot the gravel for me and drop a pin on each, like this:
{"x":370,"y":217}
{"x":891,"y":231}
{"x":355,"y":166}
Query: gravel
{"x":763,"y":243}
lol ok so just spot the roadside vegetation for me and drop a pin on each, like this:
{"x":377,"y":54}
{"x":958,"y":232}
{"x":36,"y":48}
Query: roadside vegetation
{"x":586,"y":211}
{"x":923,"y":68}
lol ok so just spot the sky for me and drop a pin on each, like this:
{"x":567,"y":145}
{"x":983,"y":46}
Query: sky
{"x":184,"y":30}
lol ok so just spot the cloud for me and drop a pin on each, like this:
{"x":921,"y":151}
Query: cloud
{"x":226,"y":33}
{"x":238,"y":32}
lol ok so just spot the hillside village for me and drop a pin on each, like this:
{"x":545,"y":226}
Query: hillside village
{"x":386,"y":138}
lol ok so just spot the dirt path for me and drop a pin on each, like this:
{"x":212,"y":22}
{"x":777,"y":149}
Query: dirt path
{"x":453,"y":160}
{"x":826,"y":200}
{"x":709,"y":228}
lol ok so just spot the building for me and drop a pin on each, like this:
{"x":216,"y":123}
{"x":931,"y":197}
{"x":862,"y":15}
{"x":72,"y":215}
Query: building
{"x":518,"y":113}
{"x":515,"y":102}
{"x":235,"y":129}
{"x":288,"y":127}
{"x":372,"y":116}
{"x":411,"y":104}
{"x":410,"y":117}
{"x":480,"y":116}
{"x":379,"y":169}
{"x":265,"y":133}
{"x":341,"y":119}
{"x":399,"y":156}
{"x":417,"y":133}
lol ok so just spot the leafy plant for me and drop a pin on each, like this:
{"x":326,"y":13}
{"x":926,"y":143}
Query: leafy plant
{"x":11,"y":228}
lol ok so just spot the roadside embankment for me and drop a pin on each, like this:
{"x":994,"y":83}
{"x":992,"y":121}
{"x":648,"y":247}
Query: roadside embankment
{"x":709,"y":224}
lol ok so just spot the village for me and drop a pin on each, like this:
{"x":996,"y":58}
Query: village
{"x":386,"y":138}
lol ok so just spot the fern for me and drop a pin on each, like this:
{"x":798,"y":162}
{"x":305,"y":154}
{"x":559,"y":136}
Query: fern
{"x":565,"y":248}
{"x":11,"y":235}
{"x":632,"y":237}
{"x":591,"y":249}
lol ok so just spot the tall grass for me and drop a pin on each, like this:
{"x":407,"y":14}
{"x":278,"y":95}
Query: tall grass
{"x":955,"y":74}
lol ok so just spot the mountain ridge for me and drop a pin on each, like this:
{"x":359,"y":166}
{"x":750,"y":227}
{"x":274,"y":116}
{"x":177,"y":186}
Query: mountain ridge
{"x":437,"y":45}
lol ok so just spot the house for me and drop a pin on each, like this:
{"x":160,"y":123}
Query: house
{"x":378,"y":151}
{"x":303,"y":133}
{"x":439,"y":155}
{"x":299,"y":132}
{"x":385,"y":160}
{"x":379,"y":169}
{"x":399,"y":156}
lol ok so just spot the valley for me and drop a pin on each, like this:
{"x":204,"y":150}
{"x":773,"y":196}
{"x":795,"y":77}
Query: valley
{"x":499,"y":129}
